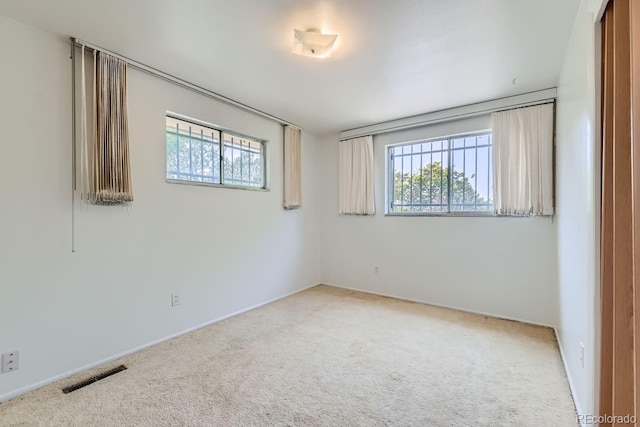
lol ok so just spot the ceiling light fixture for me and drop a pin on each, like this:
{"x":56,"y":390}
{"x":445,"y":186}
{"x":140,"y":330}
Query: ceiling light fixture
{"x":313,"y":43}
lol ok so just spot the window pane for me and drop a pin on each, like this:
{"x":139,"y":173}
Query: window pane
{"x":419,"y":178}
{"x":484,"y":139}
{"x":425,"y":182}
{"x":470,"y":177}
{"x":458,"y":184}
{"x":457,"y":143}
{"x":470,"y":142}
{"x":172,"y":154}
{"x":243,"y":161}
{"x":210,"y":159}
{"x":193,"y":152}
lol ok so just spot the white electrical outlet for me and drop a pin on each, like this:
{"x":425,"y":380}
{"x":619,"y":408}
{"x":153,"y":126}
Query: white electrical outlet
{"x":376,"y":270}
{"x":175,"y":300}
{"x":582,"y":354}
{"x":10,"y":361}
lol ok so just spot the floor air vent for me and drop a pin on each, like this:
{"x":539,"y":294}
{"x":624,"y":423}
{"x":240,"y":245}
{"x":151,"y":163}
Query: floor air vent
{"x":93,"y":379}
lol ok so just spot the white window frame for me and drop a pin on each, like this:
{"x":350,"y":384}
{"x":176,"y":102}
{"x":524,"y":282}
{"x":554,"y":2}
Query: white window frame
{"x":389,"y":193}
{"x":221,"y":132}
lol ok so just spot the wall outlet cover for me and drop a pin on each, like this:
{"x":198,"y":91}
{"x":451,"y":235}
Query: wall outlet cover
{"x":10,"y":361}
{"x":175,"y":300}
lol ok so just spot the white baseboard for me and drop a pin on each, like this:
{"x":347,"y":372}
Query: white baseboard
{"x":482,"y":313}
{"x":566,"y":370}
{"x":37,"y":385}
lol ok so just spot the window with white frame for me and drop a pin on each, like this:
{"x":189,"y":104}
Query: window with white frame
{"x":199,"y":153}
{"x":450,"y":175}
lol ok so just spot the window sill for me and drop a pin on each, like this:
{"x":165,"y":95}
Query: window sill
{"x":463,"y":215}
{"x":211,"y":184}
{"x":443,"y":214}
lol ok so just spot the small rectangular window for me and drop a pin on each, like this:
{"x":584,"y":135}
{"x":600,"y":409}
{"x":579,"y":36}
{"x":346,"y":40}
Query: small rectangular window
{"x":203,"y":154}
{"x":441,"y":176}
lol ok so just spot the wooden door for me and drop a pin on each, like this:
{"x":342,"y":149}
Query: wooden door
{"x":620,"y":226}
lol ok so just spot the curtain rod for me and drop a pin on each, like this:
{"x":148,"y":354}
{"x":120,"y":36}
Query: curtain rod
{"x":529,"y":99}
{"x":182,"y":83}
{"x":530,"y":104}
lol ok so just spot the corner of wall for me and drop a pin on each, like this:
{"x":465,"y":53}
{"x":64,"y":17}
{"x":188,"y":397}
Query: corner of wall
{"x":577,"y":200}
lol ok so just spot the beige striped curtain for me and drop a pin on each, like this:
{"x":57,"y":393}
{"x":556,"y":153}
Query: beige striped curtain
{"x":292,"y":167}
{"x":105,"y":170}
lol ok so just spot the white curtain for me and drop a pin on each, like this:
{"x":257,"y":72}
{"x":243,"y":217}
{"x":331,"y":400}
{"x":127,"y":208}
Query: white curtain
{"x":356,"y":176}
{"x":292,"y":167}
{"x":523,"y":161}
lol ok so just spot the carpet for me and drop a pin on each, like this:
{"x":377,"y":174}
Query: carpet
{"x":324,"y":357}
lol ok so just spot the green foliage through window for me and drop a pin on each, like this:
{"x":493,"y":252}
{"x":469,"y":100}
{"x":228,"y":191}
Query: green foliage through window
{"x":194,"y":154}
{"x":442,"y":176}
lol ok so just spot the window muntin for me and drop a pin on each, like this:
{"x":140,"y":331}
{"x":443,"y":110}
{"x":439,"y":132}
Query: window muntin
{"x":441,"y":176}
{"x":194,"y":154}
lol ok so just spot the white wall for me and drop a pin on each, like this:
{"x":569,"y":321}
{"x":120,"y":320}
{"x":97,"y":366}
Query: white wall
{"x":221,"y":250}
{"x":66,"y":311}
{"x":577,"y":180}
{"x":504,"y":267}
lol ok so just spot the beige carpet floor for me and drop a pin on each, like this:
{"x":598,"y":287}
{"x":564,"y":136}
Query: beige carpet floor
{"x":325,"y":357}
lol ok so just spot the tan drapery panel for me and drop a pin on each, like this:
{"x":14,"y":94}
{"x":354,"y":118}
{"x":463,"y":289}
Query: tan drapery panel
{"x":620,"y":221}
{"x":292,"y":167}
{"x":356,"y":176}
{"x":105,"y":158}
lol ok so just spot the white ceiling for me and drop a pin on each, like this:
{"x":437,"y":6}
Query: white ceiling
{"x":393,"y":59}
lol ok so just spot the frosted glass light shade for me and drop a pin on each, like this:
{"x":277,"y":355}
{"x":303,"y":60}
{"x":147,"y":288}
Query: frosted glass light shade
{"x":313,"y":43}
